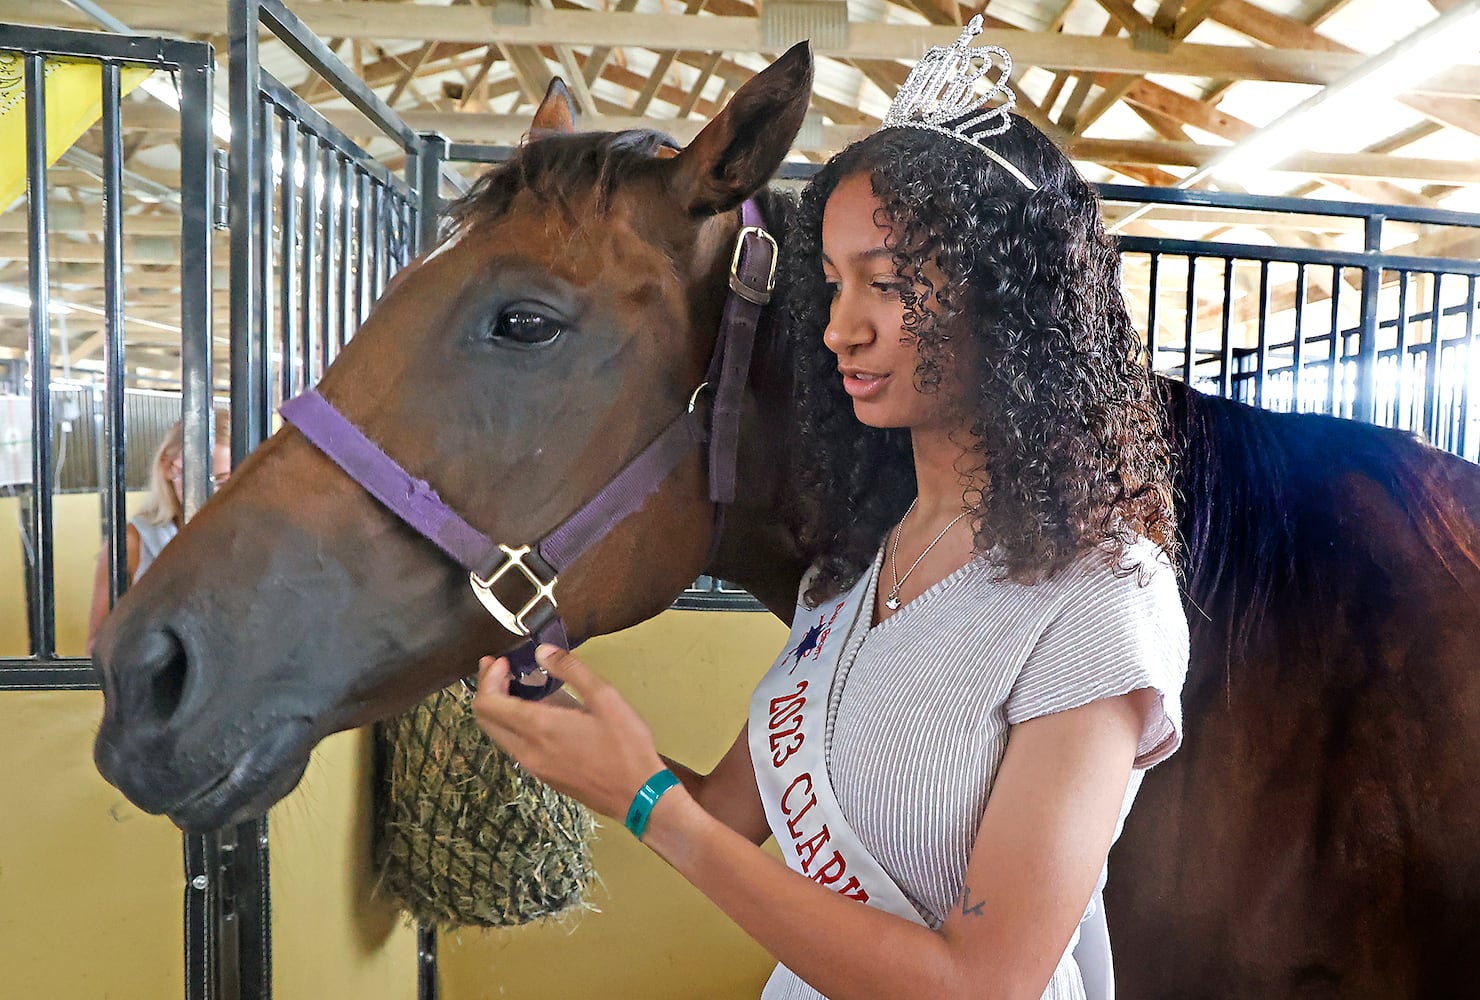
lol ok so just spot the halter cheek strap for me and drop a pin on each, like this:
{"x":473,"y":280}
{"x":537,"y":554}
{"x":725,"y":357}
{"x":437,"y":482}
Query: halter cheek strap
{"x":499,"y":572}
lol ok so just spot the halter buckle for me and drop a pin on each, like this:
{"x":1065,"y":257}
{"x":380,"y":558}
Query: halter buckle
{"x":760,"y":296}
{"x":534,"y":572}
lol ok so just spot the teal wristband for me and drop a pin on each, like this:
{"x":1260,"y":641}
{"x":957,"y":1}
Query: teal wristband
{"x":647,"y":796}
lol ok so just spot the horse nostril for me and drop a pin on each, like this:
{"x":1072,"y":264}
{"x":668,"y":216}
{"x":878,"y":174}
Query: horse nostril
{"x":162,"y":660}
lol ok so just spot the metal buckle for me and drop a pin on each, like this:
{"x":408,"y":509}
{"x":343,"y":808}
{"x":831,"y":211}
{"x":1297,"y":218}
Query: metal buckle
{"x":694,"y":399}
{"x":543,"y":590}
{"x":759,"y":296}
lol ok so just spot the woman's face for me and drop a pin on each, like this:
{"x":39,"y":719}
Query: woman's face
{"x":175,"y":468}
{"x":865,"y":329}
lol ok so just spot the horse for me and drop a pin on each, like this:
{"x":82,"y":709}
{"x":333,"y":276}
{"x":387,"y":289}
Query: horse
{"x":1309,"y":840}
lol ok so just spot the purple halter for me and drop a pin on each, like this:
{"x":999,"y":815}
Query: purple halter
{"x":536,"y":567}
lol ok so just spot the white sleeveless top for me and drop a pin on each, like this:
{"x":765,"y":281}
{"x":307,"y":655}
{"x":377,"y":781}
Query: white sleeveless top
{"x":922,"y":704}
{"x":152,"y":538}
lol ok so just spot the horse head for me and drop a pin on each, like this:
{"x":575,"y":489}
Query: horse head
{"x":567,"y":316}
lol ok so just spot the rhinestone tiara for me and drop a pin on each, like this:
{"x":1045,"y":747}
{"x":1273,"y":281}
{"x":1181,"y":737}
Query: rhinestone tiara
{"x":940,"y":95}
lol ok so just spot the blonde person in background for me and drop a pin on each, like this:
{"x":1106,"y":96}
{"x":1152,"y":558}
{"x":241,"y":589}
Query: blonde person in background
{"x":161,"y":515}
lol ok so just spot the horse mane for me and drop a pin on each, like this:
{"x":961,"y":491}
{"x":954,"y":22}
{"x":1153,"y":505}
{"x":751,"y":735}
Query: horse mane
{"x":1265,"y":514}
{"x":773,"y":357}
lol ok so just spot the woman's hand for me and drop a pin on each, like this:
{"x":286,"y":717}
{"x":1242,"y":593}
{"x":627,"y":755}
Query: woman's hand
{"x":599,"y":752}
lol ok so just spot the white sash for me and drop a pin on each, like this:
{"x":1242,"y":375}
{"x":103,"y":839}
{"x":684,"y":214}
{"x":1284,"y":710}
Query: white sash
{"x":788,"y":735}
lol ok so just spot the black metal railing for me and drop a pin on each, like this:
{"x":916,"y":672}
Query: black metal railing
{"x":1384,"y":336}
{"x":191,"y":67}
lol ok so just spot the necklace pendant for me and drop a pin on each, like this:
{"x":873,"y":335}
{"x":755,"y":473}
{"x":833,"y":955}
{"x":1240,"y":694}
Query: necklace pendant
{"x":892,"y":602}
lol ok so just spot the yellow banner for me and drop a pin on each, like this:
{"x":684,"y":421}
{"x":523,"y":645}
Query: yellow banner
{"x":74,"y":103}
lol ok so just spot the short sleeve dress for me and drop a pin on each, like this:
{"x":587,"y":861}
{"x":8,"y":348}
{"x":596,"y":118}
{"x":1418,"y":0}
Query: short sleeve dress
{"x":922,"y":704}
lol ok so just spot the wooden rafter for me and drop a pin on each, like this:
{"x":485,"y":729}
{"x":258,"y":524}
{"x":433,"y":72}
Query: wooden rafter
{"x":1276,"y":29}
{"x":668,"y":32}
{"x":1115,"y":88}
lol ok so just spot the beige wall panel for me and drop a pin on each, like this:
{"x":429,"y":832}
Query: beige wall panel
{"x":690,"y":675}
{"x":332,"y":940}
{"x":78,"y":540}
{"x":91,"y":889}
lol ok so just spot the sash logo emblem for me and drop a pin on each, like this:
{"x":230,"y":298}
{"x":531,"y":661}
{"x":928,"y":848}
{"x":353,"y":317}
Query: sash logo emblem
{"x":811,"y":645}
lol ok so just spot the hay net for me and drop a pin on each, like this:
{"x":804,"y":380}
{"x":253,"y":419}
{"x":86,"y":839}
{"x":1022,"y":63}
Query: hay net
{"x":464,"y":836}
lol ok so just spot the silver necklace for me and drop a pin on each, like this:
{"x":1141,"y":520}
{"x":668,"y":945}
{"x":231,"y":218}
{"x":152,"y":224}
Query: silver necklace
{"x":892,"y":601}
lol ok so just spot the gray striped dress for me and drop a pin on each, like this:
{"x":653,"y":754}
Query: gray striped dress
{"x":922,"y":704}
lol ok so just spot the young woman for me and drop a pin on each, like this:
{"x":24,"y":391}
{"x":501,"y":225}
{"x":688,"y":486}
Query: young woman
{"x":160,"y":516}
{"x":990,"y":645}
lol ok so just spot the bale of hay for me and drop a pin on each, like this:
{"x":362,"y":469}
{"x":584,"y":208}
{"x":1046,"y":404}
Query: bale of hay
{"x":464,"y":836}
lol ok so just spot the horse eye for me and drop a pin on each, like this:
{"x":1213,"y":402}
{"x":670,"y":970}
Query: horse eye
{"x":525,"y":328}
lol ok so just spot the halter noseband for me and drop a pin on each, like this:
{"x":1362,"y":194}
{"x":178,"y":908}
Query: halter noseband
{"x":536,"y":567}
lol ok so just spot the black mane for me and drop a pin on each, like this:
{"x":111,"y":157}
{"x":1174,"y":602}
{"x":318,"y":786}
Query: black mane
{"x":1264,"y":513}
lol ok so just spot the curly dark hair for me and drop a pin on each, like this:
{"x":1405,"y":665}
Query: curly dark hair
{"x":1064,"y":417}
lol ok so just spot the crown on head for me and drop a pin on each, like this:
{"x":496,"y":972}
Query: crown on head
{"x":941,"y":95}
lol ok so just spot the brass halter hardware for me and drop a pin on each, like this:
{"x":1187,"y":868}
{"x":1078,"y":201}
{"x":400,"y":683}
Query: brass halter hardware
{"x":544,"y":590}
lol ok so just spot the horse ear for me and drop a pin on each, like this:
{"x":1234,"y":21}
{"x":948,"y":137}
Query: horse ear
{"x":741,"y":148}
{"x":557,"y":112}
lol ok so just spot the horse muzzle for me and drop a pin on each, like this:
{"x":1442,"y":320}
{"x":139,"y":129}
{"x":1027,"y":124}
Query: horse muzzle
{"x":161,"y":745}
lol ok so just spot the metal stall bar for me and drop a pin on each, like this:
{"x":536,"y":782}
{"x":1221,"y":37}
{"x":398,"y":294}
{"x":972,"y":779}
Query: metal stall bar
{"x":234,"y":918}
{"x":1153,"y":296}
{"x":1431,"y":369}
{"x":249,"y":414}
{"x":308,"y":249}
{"x":1402,"y":399}
{"x":328,"y":217}
{"x":1225,"y":343}
{"x":115,"y":527}
{"x":406,"y":229}
{"x":1297,"y":346}
{"x":1364,"y":400}
{"x":1189,"y":355}
{"x":377,"y":263}
{"x":1261,"y":347}
{"x":262,"y":332}
{"x":288,"y":290}
{"x":363,"y":284}
{"x":428,"y":188}
{"x":1468,"y":371}
{"x":348,"y":319}
{"x":41,"y":576}
{"x":1338,"y":347}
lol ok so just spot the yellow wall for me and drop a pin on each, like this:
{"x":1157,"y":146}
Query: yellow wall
{"x":78,"y":539}
{"x":690,"y":675}
{"x":90,"y":889}
{"x":331,"y":939}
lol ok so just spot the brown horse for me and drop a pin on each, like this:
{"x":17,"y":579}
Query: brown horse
{"x":1312,"y":837}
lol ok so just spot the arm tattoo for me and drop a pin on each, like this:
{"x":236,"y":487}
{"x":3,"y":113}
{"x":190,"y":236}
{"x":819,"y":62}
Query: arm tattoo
{"x":966,"y":908}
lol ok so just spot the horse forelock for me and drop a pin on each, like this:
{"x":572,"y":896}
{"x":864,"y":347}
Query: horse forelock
{"x":562,"y":169}
{"x":1262,"y":515}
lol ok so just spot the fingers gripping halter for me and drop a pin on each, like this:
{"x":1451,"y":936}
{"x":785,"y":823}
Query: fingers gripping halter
{"x":940,"y":95}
